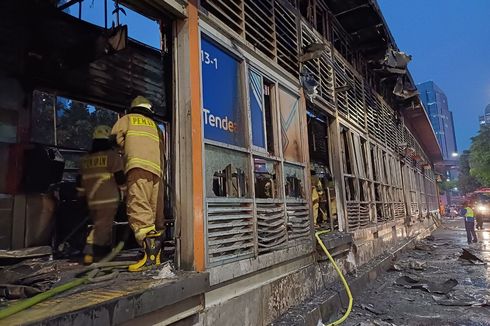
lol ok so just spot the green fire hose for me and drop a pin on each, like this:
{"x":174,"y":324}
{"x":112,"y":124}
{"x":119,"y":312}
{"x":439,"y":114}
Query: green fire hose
{"x":346,"y":285}
{"x":90,"y":275}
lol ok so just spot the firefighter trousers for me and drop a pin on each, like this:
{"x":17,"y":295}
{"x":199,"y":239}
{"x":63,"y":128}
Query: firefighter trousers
{"x":142,"y":201}
{"x":102,"y":217}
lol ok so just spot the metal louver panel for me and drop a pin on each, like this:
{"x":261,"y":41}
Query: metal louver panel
{"x":229,"y":231}
{"x":326,"y":73}
{"x":259,"y":26}
{"x":357,"y":215}
{"x":389,"y":123}
{"x":399,"y":210}
{"x":341,"y":81}
{"x":271,"y":227}
{"x":298,"y":215}
{"x":229,"y":12}
{"x":286,"y":38}
{"x":321,"y":68}
{"x":350,"y":102}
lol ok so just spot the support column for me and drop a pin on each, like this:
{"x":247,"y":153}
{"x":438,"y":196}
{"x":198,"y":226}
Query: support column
{"x":188,"y":158}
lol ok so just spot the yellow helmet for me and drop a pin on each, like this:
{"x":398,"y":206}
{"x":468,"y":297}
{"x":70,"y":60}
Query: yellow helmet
{"x":141,"y":102}
{"x":101,"y":132}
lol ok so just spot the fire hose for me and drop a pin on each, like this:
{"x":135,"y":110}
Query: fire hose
{"x":346,"y":285}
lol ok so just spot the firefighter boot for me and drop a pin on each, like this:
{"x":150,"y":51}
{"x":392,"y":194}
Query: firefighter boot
{"x":152,"y":246}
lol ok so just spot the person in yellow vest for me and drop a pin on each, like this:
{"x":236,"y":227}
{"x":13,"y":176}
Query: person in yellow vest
{"x":469,"y":222}
{"x":315,"y":197}
{"x":138,"y":135}
{"x":101,"y":180}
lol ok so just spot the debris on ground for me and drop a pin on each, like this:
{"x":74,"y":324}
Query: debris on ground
{"x":429,"y":286}
{"x":410,"y":264}
{"x":166,"y":272}
{"x":370,"y":308}
{"x":424,"y":247}
{"x":26,"y":253}
{"x":28,"y":278}
{"x":472,"y":258}
{"x":465,"y":299}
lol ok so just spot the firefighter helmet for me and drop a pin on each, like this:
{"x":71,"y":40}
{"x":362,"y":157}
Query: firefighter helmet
{"x":141,"y":102}
{"x":101,"y":132}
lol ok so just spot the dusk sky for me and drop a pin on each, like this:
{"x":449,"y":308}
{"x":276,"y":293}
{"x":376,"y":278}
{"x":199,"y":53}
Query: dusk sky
{"x":450,"y":44}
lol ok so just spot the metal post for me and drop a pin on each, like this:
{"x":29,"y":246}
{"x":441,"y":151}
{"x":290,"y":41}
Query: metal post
{"x":105,"y":14}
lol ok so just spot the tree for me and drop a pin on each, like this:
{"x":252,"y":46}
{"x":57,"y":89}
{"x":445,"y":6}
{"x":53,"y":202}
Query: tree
{"x":480,"y":156}
{"x":466,"y":182}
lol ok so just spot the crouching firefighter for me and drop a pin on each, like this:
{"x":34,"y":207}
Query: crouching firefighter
{"x":138,"y":135}
{"x":102,"y":180}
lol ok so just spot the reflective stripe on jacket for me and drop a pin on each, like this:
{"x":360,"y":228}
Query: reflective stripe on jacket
{"x":139,"y":137}
{"x":97,"y":170}
{"x":469,"y":215}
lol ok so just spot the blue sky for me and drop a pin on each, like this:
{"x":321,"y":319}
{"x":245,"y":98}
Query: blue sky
{"x":450,"y":44}
{"x":139,"y":27}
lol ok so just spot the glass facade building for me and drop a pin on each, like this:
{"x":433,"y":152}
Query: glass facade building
{"x":485,"y":119}
{"x":436,"y":105}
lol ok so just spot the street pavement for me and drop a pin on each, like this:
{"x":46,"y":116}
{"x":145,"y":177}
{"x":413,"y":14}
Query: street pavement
{"x":432,"y":266}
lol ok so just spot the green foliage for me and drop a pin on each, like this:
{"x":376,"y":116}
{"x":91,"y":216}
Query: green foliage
{"x":466,"y":182}
{"x":448,"y":185}
{"x":480,"y":157}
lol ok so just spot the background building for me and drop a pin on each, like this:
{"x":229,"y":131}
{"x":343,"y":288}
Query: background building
{"x":436,"y":105}
{"x":485,"y":119}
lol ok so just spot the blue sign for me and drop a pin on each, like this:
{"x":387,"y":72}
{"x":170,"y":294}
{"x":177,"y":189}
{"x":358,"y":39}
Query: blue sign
{"x":255,"y":85}
{"x":222,"y":115}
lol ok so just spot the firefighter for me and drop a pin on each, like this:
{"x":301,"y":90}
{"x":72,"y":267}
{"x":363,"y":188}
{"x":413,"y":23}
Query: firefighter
{"x":138,"y":135}
{"x":101,"y":180}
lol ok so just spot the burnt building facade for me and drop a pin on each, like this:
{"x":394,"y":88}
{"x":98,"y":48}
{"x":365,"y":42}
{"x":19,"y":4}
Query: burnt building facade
{"x":260,"y":102}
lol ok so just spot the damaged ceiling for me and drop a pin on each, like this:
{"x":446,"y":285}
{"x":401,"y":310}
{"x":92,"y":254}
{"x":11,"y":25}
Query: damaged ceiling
{"x":67,"y":55}
{"x":363,"y":20}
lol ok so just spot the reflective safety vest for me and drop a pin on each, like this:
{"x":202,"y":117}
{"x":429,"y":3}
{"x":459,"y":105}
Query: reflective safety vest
{"x":97,"y":177}
{"x":470,"y":215}
{"x":139,"y":137}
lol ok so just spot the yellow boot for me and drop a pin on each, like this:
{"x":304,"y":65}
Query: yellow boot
{"x":152,"y":246}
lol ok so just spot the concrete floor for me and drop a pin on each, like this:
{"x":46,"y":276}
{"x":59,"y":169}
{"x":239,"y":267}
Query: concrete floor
{"x":385,"y":303}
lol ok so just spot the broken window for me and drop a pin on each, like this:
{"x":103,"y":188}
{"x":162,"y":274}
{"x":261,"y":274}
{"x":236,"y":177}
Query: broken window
{"x":266,"y":182}
{"x":318,"y":138}
{"x":8,"y":126}
{"x":75,"y":122}
{"x":294,"y":181}
{"x":66,"y":123}
{"x":108,"y":13}
{"x":42,"y":118}
{"x":226,"y":173}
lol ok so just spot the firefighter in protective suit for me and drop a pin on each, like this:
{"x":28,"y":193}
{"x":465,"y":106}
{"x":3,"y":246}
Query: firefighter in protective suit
{"x":101,"y":180}
{"x":138,"y":135}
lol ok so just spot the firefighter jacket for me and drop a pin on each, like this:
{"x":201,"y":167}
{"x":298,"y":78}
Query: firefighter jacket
{"x":97,"y":178}
{"x":139,"y":137}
